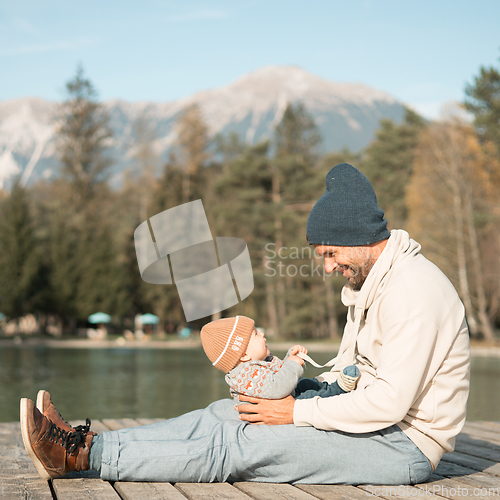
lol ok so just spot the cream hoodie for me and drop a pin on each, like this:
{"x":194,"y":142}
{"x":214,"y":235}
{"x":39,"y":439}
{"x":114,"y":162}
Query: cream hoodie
{"x":406,"y":332}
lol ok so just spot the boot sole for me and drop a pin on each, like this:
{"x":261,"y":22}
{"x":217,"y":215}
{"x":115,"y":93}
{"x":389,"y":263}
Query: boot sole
{"x":27,"y":443}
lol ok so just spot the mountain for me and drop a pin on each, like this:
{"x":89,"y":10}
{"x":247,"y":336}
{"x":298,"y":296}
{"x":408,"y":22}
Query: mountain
{"x":347,"y":115}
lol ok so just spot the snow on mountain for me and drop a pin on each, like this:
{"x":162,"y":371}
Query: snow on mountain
{"x":347,"y":115}
{"x":27,"y":132}
{"x":8,"y":168}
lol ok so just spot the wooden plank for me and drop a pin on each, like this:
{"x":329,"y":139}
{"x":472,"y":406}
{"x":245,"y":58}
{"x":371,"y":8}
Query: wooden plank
{"x":478,"y":441}
{"x":476,"y":463}
{"x":141,"y":490}
{"x":334,"y":492}
{"x":447,"y":469}
{"x":478,"y":424}
{"x":23,"y":488}
{"x":18,"y":477}
{"x":149,"y":491}
{"x":115,"y":424}
{"x":272,"y":491}
{"x":480,"y":481}
{"x":83,"y":489}
{"x":398,"y":492}
{"x":21,"y":480}
{"x":211,"y":491}
{"x":477,"y":448}
{"x":492,"y":426}
{"x":14,"y":461}
{"x":147,"y":421}
{"x":446,"y":488}
{"x":472,"y":467}
{"x":480,"y":432}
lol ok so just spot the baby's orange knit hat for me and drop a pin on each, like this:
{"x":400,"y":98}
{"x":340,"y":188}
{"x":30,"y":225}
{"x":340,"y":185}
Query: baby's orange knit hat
{"x":226,"y":340}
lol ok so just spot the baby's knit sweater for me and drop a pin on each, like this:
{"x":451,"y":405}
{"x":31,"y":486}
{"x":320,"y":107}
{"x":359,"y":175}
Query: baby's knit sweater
{"x":268,"y":379}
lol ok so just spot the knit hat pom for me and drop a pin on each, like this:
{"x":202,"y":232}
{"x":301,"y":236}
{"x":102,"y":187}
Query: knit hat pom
{"x":347,"y":214}
{"x":225,"y":341}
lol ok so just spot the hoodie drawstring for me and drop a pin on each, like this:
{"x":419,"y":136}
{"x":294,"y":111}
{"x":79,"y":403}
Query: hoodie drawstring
{"x":351,"y":349}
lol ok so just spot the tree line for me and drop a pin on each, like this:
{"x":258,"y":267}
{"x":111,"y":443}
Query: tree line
{"x":67,"y":249}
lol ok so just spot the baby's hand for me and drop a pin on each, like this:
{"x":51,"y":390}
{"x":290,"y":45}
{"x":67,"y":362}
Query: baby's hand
{"x":293,"y":351}
{"x":298,"y":360}
{"x":296,"y":349}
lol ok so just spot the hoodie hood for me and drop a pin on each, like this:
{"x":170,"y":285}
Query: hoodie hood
{"x":399,"y":247}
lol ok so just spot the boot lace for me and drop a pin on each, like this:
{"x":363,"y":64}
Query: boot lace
{"x":84,"y":428}
{"x":69,"y":440}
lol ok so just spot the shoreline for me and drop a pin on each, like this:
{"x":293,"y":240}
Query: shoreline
{"x":121,"y":343}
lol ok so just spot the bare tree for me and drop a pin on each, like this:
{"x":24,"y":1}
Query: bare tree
{"x":147,"y":161}
{"x":447,"y":197}
{"x":192,"y":141}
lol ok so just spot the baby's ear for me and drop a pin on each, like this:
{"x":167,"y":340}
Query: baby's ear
{"x":245,"y":358}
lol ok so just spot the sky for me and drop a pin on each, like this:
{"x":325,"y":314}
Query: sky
{"x":423,"y":52}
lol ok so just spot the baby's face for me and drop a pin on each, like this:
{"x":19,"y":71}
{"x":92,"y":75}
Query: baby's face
{"x":257,"y":349}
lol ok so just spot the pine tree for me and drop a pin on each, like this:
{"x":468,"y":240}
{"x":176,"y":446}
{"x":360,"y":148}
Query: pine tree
{"x":83,"y":134}
{"x":102,"y":282}
{"x":242,"y":207}
{"x":87,"y":266}
{"x":297,"y":135}
{"x":329,"y":160}
{"x":483,"y":101}
{"x":388,"y":164}
{"x":192,"y":143}
{"x":65,"y":272}
{"x":161,"y":300}
{"x":86,"y":275}
{"x":228,"y":147}
{"x":20,"y":260}
{"x":297,"y":184}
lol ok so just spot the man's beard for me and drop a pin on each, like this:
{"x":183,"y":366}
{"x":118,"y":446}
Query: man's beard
{"x":360,"y":273}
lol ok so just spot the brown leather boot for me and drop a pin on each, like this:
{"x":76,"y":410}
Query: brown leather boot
{"x":45,"y":406}
{"x":53,"y":450}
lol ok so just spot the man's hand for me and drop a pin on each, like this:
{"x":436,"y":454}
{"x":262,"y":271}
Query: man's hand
{"x":267,"y":411}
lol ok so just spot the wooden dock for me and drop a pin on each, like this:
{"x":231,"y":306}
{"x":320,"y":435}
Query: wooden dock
{"x":471,"y":471}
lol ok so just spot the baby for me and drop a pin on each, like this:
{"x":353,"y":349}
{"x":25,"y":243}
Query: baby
{"x":237,"y":348}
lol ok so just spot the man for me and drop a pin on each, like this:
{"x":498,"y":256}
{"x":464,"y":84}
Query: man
{"x":405,"y":331}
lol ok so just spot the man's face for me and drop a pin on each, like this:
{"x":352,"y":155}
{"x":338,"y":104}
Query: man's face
{"x":354,"y":263}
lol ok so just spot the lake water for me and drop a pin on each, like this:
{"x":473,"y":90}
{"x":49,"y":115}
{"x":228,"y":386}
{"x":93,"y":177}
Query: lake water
{"x":150,"y":383}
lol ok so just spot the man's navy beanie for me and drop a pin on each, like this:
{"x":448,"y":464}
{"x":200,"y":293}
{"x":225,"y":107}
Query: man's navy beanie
{"x":347,"y":214}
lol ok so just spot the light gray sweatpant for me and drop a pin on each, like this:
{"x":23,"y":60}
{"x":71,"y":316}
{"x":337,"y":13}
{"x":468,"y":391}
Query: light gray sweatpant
{"x":214,"y":445}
